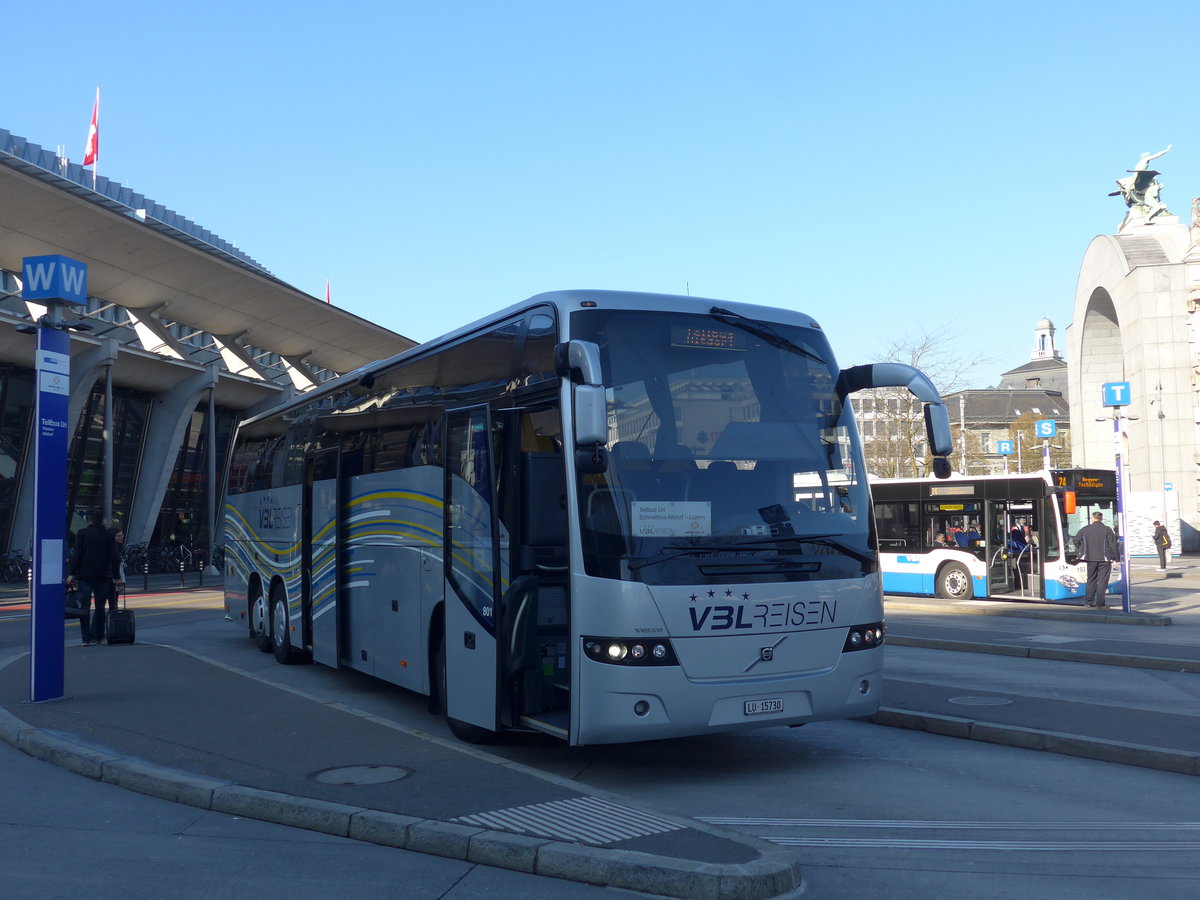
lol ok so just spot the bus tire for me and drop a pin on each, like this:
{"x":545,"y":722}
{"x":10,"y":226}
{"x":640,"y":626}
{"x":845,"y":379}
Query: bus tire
{"x":281,"y":632}
{"x":464,"y":731}
{"x":260,"y":622}
{"x":954,"y":582}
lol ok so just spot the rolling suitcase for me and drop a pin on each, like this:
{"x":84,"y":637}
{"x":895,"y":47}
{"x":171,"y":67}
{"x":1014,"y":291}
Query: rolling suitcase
{"x":118,"y":624}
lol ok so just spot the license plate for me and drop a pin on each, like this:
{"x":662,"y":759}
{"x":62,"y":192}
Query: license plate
{"x":758,"y":707}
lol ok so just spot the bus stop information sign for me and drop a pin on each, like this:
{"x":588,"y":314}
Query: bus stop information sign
{"x":52,"y":280}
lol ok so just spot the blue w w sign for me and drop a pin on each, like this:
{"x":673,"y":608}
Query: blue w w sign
{"x":53,"y":278}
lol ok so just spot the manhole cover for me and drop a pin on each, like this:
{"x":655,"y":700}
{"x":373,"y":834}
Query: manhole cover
{"x":361,"y":774}
{"x":980,"y":701}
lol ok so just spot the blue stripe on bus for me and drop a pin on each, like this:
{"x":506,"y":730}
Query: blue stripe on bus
{"x":907,"y":583}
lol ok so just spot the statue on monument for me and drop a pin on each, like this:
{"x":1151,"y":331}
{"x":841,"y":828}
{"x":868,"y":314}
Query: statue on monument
{"x":1141,"y":188}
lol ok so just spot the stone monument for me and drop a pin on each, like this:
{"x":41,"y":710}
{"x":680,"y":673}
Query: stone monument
{"x":1137,"y":319}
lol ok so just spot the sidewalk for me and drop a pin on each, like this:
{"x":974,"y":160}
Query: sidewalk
{"x":205,"y":735}
{"x":1109,"y":705}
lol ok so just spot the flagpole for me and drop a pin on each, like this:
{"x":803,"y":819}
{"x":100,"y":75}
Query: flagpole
{"x":96,"y":165}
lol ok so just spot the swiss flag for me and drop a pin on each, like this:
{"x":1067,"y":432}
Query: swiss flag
{"x":92,"y":151}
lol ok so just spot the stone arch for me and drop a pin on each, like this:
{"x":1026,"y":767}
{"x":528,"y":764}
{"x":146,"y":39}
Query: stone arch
{"x":1101,"y":359}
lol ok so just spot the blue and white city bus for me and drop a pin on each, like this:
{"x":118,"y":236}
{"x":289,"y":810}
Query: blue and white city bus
{"x":603,"y":516}
{"x":990,"y":536}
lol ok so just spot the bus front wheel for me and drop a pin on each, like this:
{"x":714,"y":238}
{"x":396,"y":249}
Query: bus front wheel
{"x":954,"y":583}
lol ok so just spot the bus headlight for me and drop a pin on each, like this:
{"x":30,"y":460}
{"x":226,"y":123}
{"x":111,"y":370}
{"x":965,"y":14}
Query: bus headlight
{"x":865,"y":637}
{"x":628,"y":652}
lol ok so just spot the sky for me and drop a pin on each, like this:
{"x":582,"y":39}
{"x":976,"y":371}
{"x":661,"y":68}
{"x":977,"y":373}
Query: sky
{"x":890,"y":169}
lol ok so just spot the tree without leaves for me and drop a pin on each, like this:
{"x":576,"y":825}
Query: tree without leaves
{"x":893,"y":424}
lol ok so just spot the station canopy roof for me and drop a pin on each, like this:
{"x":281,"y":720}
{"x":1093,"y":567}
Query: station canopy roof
{"x":148,"y":258}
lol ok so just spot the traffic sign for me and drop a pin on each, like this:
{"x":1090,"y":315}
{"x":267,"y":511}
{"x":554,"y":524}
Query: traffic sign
{"x":1045,"y":428}
{"x":1116,"y":393}
{"x":1004,"y":448}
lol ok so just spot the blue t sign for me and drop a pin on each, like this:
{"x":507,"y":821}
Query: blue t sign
{"x":1116,"y":393}
{"x":1045,"y":428}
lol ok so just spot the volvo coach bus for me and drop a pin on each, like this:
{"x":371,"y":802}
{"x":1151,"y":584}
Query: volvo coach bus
{"x":603,"y":516}
{"x":1006,"y":536}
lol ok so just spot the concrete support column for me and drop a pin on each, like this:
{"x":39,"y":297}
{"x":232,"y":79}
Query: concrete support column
{"x":85,"y":369}
{"x":171,"y":413}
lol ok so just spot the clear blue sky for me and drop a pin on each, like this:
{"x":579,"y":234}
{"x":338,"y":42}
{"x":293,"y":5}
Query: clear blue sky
{"x":884,"y":167}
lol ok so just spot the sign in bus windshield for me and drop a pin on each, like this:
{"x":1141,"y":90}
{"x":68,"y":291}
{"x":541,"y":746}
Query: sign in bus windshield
{"x":711,"y":338}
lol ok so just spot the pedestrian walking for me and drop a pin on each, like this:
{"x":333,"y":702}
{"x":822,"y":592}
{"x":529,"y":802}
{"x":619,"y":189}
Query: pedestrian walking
{"x":1097,"y":545}
{"x":1162,"y":543}
{"x":93,"y":567}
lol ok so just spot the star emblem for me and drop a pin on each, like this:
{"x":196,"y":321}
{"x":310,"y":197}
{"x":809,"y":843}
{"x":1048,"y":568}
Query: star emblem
{"x":693,"y":598}
{"x":729,"y":593}
{"x":712,"y":593}
{"x":745,"y":596}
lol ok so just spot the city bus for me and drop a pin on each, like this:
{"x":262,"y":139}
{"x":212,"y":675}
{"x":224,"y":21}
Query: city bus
{"x":602,"y":516}
{"x":991,"y":536}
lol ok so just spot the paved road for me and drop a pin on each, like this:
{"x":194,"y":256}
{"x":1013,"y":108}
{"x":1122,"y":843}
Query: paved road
{"x":1132,"y":838}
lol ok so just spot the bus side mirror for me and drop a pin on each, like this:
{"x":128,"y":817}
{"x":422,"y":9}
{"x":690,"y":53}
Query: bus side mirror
{"x":578,"y":361}
{"x":941,"y":467}
{"x":937,"y":429}
{"x":591,"y":416}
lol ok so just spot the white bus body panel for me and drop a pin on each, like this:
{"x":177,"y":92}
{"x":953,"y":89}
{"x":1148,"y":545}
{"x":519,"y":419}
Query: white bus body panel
{"x":719,"y":643}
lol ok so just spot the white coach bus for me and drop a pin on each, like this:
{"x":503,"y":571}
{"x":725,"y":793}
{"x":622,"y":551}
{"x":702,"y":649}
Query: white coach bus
{"x":603,"y":516}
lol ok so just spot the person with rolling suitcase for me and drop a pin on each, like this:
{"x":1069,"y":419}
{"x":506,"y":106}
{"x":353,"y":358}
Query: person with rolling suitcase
{"x":119,"y":621}
{"x":93,"y":567}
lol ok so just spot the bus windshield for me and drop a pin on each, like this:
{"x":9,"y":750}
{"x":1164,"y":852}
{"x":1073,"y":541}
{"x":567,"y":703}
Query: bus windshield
{"x":731,"y":456}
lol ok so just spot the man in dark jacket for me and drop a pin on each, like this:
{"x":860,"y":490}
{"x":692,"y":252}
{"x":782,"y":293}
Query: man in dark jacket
{"x":1162,"y":543}
{"x":1098,"y":546}
{"x":94,"y":566}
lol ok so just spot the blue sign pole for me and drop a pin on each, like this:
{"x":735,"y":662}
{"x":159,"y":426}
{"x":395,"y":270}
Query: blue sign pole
{"x":53,"y":280}
{"x":46,"y":660}
{"x":1116,"y":394}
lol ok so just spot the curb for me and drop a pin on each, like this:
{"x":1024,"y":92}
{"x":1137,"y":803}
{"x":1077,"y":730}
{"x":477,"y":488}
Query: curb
{"x":1030,"y":610}
{"x":1161,"y":663}
{"x":1049,"y":741}
{"x":775,"y":874}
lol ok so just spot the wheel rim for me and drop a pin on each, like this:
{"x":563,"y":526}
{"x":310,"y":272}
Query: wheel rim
{"x":279,"y":623}
{"x":259,"y":614}
{"x":956,"y":583}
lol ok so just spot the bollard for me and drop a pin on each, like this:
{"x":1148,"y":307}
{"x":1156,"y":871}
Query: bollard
{"x":200,"y":569}
{"x":146,"y":576}
{"x":181,"y":573}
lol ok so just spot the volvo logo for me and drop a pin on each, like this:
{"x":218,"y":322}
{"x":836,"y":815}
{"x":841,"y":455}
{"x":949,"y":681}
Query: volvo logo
{"x":766,"y":654}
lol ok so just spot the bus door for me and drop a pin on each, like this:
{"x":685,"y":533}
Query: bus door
{"x":535,"y":652}
{"x":319,"y":556}
{"x":1012,"y":564}
{"x":474,"y":574}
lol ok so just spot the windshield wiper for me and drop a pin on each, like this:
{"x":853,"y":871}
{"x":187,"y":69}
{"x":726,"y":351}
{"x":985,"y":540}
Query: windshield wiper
{"x":754,"y":546}
{"x":823,"y":540}
{"x":763,"y":332}
{"x":685,"y":550}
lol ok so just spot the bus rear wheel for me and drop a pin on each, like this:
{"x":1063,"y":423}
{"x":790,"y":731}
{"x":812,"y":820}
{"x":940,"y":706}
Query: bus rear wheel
{"x":464,"y":731}
{"x":954,"y":583}
{"x":260,"y":622}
